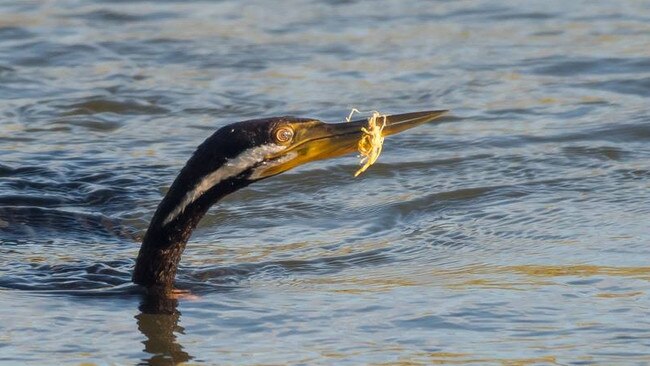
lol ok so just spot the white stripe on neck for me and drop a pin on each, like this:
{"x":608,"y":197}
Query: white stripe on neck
{"x":231,"y":168}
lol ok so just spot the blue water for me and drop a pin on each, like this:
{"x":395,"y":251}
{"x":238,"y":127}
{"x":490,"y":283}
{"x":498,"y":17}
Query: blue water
{"x":514,"y":233}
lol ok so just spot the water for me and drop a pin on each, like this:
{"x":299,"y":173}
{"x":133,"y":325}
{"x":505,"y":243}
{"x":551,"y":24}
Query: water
{"x":515,"y":233}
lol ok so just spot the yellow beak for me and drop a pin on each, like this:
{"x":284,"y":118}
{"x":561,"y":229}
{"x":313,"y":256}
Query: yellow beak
{"x":316,"y":140}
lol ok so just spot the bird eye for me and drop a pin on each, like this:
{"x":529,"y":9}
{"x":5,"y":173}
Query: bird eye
{"x":284,"y":134}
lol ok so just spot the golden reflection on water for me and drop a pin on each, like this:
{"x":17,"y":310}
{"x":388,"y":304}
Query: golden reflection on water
{"x":445,"y":358}
{"x":535,"y":270}
{"x":538,"y":275}
{"x":356,"y":285}
{"x":606,"y":295}
{"x":579,"y":271}
{"x":439,"y":358}
{"x":309,"y":251}
{"x":516,"y":278}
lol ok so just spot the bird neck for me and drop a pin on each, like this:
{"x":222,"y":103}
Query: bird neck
{"x":172,"y":225}
{"x":222,"y":164}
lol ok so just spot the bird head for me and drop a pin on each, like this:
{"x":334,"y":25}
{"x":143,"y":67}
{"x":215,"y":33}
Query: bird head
{"x":266,"y":147}
{"x":244,"y":152}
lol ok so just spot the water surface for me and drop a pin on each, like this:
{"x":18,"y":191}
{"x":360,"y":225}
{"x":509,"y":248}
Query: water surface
{"x":514,"y":233}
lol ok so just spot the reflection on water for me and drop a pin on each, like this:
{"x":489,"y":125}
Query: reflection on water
{"x":158,"y":322}
{"x":582,"y":271}
{"x":514,"y":233}
{"x":443,"y":358}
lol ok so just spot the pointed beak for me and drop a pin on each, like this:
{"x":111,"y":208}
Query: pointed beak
{"x":402,"y":122}
{"x":317,"y":140}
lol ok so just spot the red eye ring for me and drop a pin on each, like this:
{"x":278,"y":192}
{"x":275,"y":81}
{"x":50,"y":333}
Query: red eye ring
{"x":284,"y":134}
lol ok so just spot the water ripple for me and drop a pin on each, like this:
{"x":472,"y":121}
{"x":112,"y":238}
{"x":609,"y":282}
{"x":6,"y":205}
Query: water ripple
{"x":519,"y":222}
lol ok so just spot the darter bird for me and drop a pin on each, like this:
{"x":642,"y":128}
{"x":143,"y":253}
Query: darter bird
{"x":235,"y":156}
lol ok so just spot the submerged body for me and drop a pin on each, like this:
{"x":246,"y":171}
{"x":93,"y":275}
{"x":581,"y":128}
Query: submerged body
{"x":232,"y":158}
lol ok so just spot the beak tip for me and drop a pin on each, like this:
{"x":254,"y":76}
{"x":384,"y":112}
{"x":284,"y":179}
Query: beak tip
{"x":438,"y":112}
